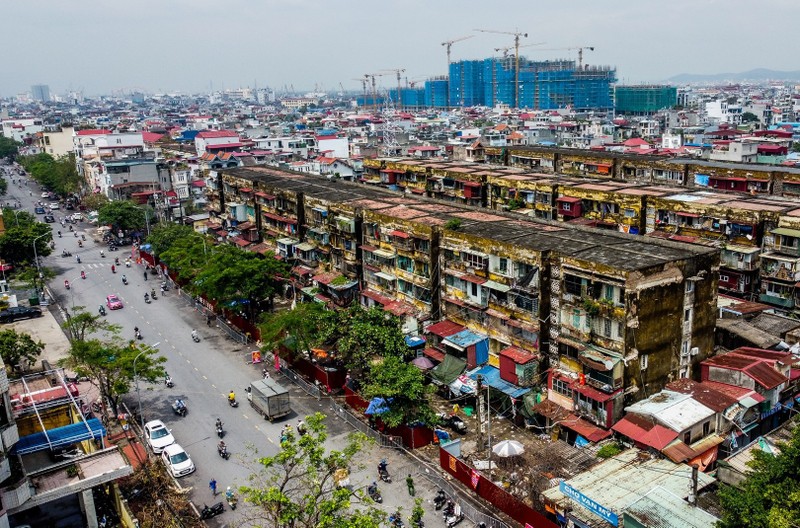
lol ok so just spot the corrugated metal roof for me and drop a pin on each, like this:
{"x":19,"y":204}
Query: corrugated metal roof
{"x":660,"y":508}
{"x":672,"y":409}
{"x":618,"y":482}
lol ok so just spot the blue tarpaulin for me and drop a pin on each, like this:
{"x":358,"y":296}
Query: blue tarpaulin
{"x":377,"y":406}
{"x":414,"y":341}
{"x":491,"y":377}
{"x":60,"y":437}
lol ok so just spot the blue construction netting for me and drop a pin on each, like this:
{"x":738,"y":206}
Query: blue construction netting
{"x":60,"y":437}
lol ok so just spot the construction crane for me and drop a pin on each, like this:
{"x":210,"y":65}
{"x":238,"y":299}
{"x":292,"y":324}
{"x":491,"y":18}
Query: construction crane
{"x":449,"y":44}
{"x":398,"y":71}
{"x":509,"y":48}
{"x":572,"y":48}
{"x":517,"y":35}
{"x":374,"y":88}
{"x":363,"y":81}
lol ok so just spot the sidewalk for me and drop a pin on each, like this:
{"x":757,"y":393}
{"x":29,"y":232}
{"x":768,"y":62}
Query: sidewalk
{"x":47,"y":330}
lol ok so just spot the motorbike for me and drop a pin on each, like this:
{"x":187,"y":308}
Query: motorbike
{"x":83,"y":275}
{"x":83,"y":237}
{"x":153,"y":294}
{"x":65,"y":253}
{"x":113,"y":269}
{"x":231,"y":499}
{"x":453,"y":515}
{"x":374,"y":494}
{"x":396,"y":521}
{"x":78,"y":258}
{"x":138,"y":335}
{"x":168,"y":382}
{"x":383,"y":472}
{"x":80,"y":244}
{"x":147,"y":298}
{"x":164,"y":286}
{"x":195,"y":337}
{"x":102,"y":254}
{"x":223,"y":452}
{"x":220,"y":431}
{"x":439,"y":500}
{"x":124,"y":280}
{"x":116,"y":261}
{"x":59,"y":234}
{"x":66,"y":284}
{"x":233,"y":402}
{"x":178,"y":409}
{"x":128,"y":263}
{"x":101,"y":310}
{"x":453,"y":422}
{"x":212,"y":511}
{"x":113,"y":248}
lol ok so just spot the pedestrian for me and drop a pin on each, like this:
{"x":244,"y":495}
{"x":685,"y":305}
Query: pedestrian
{"x":145,"y":274}
{"x":410,"y":484}
{"x":213,"y":486}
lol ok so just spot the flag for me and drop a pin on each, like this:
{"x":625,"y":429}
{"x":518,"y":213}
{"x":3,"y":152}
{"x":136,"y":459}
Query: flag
{"x":474,"y":478}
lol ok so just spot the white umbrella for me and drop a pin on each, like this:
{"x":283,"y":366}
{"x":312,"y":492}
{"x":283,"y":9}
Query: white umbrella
{"x":508,"y":448}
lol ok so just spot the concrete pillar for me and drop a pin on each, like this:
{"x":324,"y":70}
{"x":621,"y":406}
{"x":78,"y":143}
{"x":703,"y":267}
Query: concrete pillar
{"x":87,"y":505}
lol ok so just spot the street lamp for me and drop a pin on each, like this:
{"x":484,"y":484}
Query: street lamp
{"x":36,"y":259}
{"x":136,"y":379}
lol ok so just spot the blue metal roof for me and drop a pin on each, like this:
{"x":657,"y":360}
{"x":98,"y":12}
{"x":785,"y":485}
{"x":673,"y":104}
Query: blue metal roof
{"x":414,"y":341}
{"x":466,"y":338}
{"x":60,"y":437}
{"x":491,"y":377}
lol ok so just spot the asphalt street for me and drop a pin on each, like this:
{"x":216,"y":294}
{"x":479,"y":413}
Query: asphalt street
{"x":203,"y":373}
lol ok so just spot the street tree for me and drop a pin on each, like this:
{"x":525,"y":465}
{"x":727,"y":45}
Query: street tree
{"x":403,"y":387}
{"x":94,"y":201}
{"x":8,"y":147}
{"x":368,"y":334}
{"x":109,"y":364}
{"x":122,"y":215}
{"x":60,"y":174}
{"x":80,"y":324}
{"x":164,"y":236}
{"x":16,"y":244}
{"x":186,"y":257}
{"x":749,"y":117}
{"x":297,"y":487}
{"x":3,"y":186}
{"x":302,"y":328}
{"x":768,"y":497}
{"x":19,"y":350}
{"x":240,"y":279}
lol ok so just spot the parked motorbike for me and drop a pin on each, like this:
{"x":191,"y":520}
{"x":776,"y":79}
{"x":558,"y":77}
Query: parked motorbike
{"x":179,"y":408}
{"x":395,"y":520}
{"x":453,"y":422}
{"x":212,"y":511}
{"x":83,"y":237}
{"x":453,"y":514}
{"x":374,"y":493}
{"x":439,"y":500}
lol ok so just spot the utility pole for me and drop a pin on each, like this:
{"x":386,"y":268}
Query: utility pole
{"x":479,"y":380}
{"x":693,"y":493}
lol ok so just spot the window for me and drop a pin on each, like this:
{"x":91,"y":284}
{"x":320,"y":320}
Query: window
{"x":643,"y":361}
{"x":503,"y":266}
{"x":706,"y":428}
{"x":687,"y":314}
{"x":473,"y":289}
{"x":422,"y":246}
{"x":630,"y":213}
{"x":565,"y":206}
{"x":689,"y":286}
{"x":574,"y":284}
{"x":474,"y":260}
{"x":724,"y":278}
{"x":405,"y":287}
{"x":568,"y":351}
{"x":562,"y":387}
{"x":527,"y":302}
{"x":687,"y":437}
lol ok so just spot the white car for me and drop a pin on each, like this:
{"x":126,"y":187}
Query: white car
{"x":54,"y":206}
{"x":45,"y":195}
{"x":158,"y":436}
{"x":178,"y":461}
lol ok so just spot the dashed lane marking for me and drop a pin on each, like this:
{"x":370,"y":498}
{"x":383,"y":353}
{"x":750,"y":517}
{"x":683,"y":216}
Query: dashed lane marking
{"x":245,"y":417}
{"x":213,"y":386}
{"x":197,"y":369}
{"x":205,"y":378}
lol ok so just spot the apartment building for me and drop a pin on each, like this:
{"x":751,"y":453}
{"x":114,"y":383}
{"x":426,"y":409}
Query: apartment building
{"x":598,"y":319}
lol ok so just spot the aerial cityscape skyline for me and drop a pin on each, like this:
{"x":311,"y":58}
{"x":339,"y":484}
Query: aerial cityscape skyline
{"x":192,"y":47}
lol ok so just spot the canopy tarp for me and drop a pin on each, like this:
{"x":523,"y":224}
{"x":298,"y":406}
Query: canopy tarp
{"x":449,"y":369}
{"x":60,"y":437}
{"x":377,"y":406}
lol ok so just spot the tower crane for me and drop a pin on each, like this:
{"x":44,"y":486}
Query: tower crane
{"x":572,"y":48}
{"x":374,"y":89}
{"x":363,"y":81}
{"x":449,"y":44}
{"x":397,"y":71}
{"x":517,"y":35}
{"x":509,"y":48}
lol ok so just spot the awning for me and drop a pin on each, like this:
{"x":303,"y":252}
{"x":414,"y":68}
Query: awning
{"x":60,"y":437}
{"x":464,"y":339}
{"x":368,"y":248}
{"x":246,"y":190}
{"x":305,"y":246}
{"x":320,"y":210}
{"x":585,"y":428}
{"x":688,"y":215}
{"x":472,"y":184}
{"x":496,"y":286}
{"x":448,"y":370}
{"x":399,"y":234}
{"x":786,"y":232}
{"x":383,"y":253}
{"x":434,"y":354}
{"x":444,"y":328}
{"x":264,"y":195}
{"x":287,"y":241}
{"x":568,"y":199}
{"x":385,"y":276}
{"x":491,"y":377}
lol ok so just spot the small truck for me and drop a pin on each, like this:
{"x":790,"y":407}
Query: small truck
{"x":269,"y":399}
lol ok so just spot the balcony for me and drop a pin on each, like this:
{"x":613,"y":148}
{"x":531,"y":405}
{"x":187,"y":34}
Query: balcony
{"x":5,"y":469}
{"x":3,"y":381}
{"x":777,"y":300}
{"x":16,"y":495}
{"x":9,"y":435}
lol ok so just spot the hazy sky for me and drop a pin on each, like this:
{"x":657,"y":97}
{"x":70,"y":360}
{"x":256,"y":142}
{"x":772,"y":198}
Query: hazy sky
{"x":185,"y":45}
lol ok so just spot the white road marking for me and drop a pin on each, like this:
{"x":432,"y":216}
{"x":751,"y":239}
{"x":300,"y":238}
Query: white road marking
{"x":197,"y":369}
{"x":205,"y":378}
{"x":245,"y":417}
{"x":213,"y":386}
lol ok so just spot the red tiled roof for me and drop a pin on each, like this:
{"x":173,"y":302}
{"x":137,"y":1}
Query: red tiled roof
{"x":734,"y":391}
{"x":444,"y":328}
{"x":568,"y":199}
{"x":644,"y":431}
{"x":433,"y":354}
{"x":327,"y":278}
{"x":760,"y":370}
{"x":240,"y":242}
{"x":585,"y":428}
{"x":151,"y":137}
{"x":709,"y":396}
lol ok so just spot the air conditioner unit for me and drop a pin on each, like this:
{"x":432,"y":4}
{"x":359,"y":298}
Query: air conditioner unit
{"x":695,"y":351}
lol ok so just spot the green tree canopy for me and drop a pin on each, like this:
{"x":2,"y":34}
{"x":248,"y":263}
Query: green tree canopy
{"x":307,"y":326}
{"x":3,"y":186}
{"x":240,"y":279}
{"x":749,"y":117}
{"x":163,"y":236}
{"x":8,"y":147}
{"x":403,"y":387}
{"x":19,"y":349}
{"x":369,"y":334}
{"x":123,"y":214}
{"x":770,"y":495}
{"x":94,"y":201}
{"x":297,"y":488}
{"x":60,"y":175}
{"x":80,"y":324}
{"x":187,"y":256}
{"x":16,"y":244}
{"x":110,"y":365}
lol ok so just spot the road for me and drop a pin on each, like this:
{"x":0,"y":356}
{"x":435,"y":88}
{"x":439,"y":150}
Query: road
{"x":203,"y":373}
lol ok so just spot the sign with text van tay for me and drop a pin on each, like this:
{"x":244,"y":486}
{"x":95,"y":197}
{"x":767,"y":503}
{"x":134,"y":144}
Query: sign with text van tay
{"x":601,"y":511}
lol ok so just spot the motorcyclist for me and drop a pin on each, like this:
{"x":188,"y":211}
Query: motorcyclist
{"x":66,"y":284}
{"x":218,"y":424}
{"x":382,"y":466}
{"x":195,"y":336}
{"x":301,"y":427}
{"x":124,"y":279}
{"x":231,"y":397}
{"x":116,"y":261}
{"x":80,"y":243}
{"x":179,"y":405}
{"x":83,"y":274}
{"x":113,"y":269}
{"x":146,"y":296}
{"x":59,"y":234}
{"x":102,"y":253}
{"x":372,"y":489}
{"x":101,"y":310}
{"x":153,"y":293}
{"x":221,"y":447}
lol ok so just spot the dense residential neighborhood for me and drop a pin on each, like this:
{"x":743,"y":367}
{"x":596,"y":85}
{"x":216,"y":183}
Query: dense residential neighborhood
{"x":531,"y":292}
